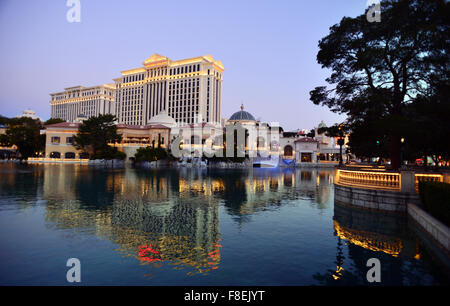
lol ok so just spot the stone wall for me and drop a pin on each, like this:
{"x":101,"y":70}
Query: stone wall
{"x":436,"y":229}
{"x":315,"y":165}
{"x":374,"y":199}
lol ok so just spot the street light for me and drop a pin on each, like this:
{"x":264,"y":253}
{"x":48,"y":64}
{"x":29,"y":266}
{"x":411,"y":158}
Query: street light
{"x":340,"y":143}
{"x":402,"y":140}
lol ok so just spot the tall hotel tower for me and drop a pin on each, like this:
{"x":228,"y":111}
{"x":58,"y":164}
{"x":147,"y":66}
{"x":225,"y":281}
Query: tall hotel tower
{"x":88,"y":101}
{"x":188,"y":90}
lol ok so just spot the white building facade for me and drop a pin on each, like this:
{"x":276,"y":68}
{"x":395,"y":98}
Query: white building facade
{"x":69,"y":104}
{"x":189,"y":90}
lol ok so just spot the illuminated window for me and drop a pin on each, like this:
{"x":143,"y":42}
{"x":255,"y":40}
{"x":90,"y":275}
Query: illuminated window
{"x":55,"y":140}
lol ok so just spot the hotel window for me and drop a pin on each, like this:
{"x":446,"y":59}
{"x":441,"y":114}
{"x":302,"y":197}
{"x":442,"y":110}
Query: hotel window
{"x":69,"y":140}
{"x":55,"y":140}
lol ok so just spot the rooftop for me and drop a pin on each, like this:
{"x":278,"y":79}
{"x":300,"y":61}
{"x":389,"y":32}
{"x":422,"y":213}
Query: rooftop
{"x":306,"y":139}
{"x":242,"y":115}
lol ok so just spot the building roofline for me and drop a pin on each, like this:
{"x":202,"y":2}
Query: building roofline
{"x":82,"y":88}
{"x":63,"y":125}
{"x":161,"y":58}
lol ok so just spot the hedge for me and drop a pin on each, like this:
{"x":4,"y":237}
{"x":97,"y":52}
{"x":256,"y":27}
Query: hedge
{"x":435,"y":198}
{"x":150,"y":154}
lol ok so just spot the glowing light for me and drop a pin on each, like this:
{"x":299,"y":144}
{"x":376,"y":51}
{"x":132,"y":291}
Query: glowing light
{"x":368,"y":240}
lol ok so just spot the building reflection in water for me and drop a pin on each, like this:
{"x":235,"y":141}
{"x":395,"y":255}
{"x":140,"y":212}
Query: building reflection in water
{"x":170,"y":217}
{"x":365,"y":234}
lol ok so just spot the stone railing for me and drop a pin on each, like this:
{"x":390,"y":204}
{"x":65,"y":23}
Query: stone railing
{"x":56,"y":160}
{"x":369,"y":179}
{"x":425,"y":177}
{"x":405,"y":181}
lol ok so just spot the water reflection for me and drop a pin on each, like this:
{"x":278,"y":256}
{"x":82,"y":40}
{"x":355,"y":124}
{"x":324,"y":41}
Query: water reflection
{"x":362,"y":235}
{"x":170,"y":217}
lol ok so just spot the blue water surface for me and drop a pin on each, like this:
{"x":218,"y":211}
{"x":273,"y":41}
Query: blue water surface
{"x":198,"y":227}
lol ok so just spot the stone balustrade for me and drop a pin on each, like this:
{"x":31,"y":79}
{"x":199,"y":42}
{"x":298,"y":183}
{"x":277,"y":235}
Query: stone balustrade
{"x":56,"y":160}
{"x":403,"y":181}
{"x":425,"y":177}
{"x":369,"y":179}
{"x":378,"y":189}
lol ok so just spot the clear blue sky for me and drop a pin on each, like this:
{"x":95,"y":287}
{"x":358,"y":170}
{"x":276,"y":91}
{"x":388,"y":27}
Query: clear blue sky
{"x":268,"y":49}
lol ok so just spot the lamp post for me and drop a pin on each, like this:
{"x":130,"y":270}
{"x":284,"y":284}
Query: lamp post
{"x":340,"y":143}
{"x":402,"y":140}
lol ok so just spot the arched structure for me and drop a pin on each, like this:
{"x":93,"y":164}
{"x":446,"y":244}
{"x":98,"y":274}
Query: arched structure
{"x":69,"y":155}
{"x":288,"y":151}
{"x":55,"y":154}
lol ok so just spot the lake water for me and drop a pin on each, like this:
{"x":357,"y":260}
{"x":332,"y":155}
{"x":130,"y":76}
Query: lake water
{"x":197,"y":227}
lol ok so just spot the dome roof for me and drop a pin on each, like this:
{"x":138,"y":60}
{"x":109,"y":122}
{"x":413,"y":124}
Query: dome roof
{"x":164,"y":119}
{"x":242,"y":115}
{"x":322,"y":124}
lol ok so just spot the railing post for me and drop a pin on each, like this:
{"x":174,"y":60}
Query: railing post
{"x":407,"y":181}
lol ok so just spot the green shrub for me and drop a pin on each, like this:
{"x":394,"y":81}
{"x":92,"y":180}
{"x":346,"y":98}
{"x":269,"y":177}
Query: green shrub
{"x":120,"y":155}
{"x":435,"y":198}
{"x":150,"y":154}
{"x":109,"y":152}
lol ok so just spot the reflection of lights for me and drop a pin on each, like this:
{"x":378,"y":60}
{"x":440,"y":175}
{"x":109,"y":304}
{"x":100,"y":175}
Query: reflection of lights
{"x":176,"y":252}
{"x":338,"y":274}
{"x":214,"y":257}
{"x":202,"y":187}
{"x":144,"y":251}
{"x":368,"y":240}
{"x":418,"y":255}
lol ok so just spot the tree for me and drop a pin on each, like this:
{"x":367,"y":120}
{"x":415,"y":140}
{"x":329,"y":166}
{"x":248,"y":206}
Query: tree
{"x":337,"y":130}
{"x":53,"y":121}
{"x":150,"y":154}
{"x":311,"y":134}
{"x":24,"y":132}
{"x":378,"y":68}
{"x":95,"y":134}
{"x":4,"y":120}
{"x":367,"y":139}
{"x":427,"y":133}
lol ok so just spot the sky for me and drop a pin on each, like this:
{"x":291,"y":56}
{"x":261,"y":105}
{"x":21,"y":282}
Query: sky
{"x":268,"y":48}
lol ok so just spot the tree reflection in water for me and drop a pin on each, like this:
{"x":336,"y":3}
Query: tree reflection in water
{"x":171,"y":219}
{"x":368,"y":234}
{"x":173,"y":213}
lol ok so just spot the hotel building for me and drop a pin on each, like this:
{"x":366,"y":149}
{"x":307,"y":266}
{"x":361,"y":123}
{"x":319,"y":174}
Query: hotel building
{"x":59,"y":144}
{"x":189,"y":90}
{"x":69,"y":104}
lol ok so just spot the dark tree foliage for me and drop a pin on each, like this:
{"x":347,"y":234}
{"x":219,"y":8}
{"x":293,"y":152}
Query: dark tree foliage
{"x":378,"y":68}
{"x":150,"y":154}
{"x":95,"y":133}
{"x":428,"y":129}
{"x":53,"y":121}
{"x":24,"y":132}
{"x":4,"y":120}
{"x":337,"y":130}
{"x":311,"y":134}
